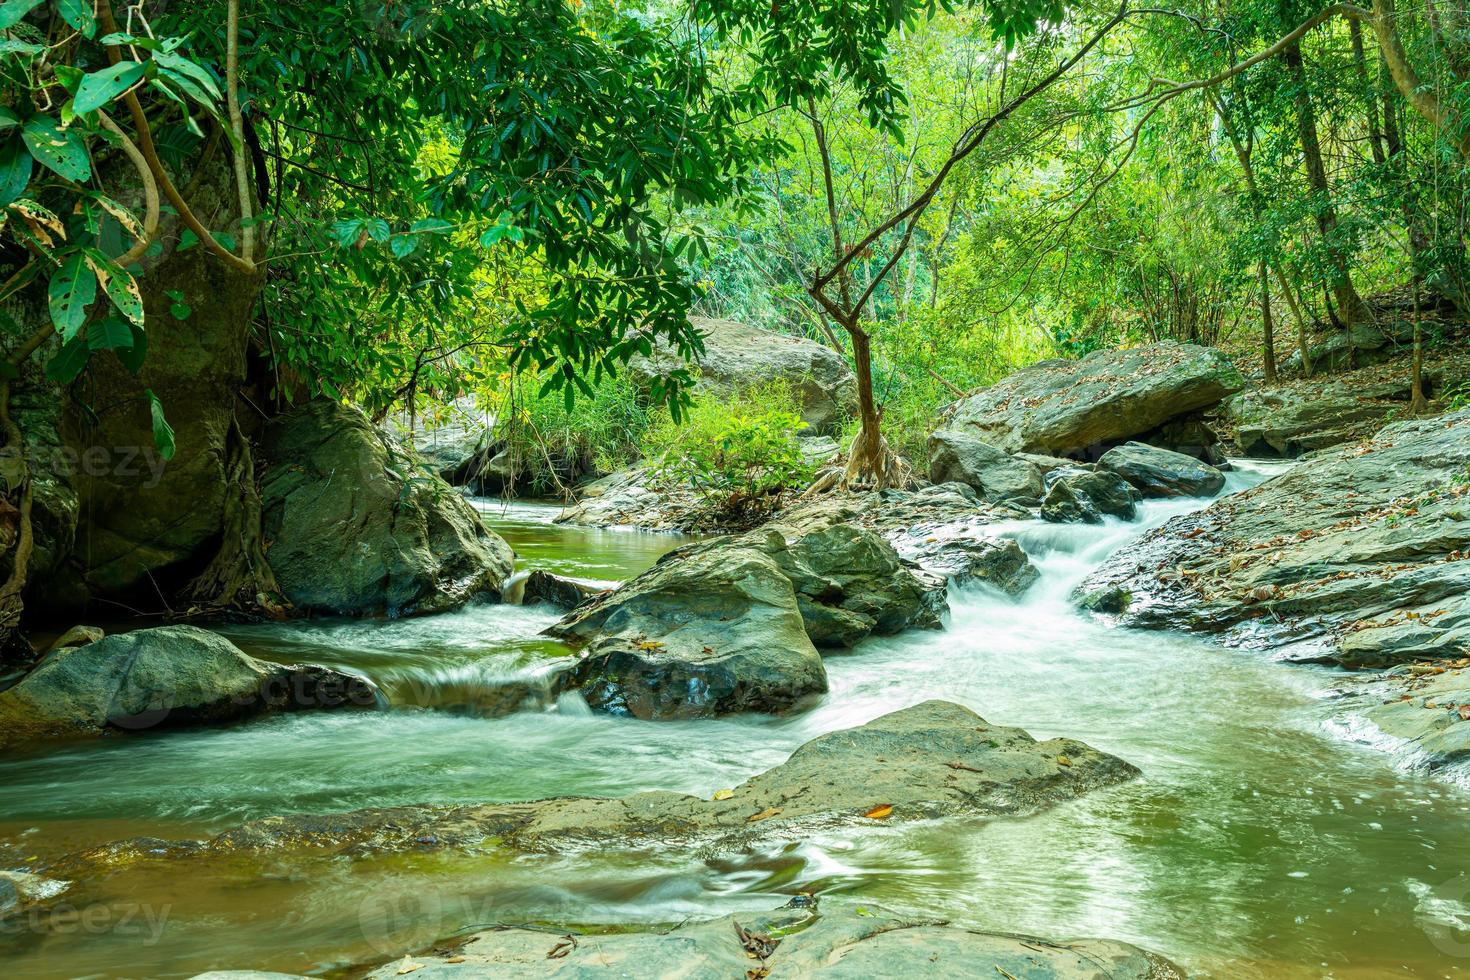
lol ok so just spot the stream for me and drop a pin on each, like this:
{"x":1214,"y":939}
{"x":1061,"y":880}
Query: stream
{"x":1260,"y":842}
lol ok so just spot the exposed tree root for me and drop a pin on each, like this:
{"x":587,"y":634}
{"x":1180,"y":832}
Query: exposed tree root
{"x":869,"y":465}
{"x":240,"y":576}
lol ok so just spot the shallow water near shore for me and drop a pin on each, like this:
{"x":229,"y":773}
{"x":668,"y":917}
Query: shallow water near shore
{"x":1259,"y":842}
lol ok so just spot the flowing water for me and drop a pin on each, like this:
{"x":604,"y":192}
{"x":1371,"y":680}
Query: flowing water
{"x":1259,"y":842}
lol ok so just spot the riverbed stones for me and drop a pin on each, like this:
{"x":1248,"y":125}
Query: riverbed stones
{"x":1068,"y":408}
{"x":739,"y":357}
{"x":1156,"y":472}
{"x":706,"y":634}
{"x":1371,"y":535}
{"x":830,"y":938}
{"x":997,"y":476}
{"x":353,"y":531}
{"x":168,"y":676}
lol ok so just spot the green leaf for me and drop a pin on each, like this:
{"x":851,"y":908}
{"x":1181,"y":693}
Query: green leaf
{"x":11,"y":11}
{"x":81,"y":14}
{"x":432,"y":226}
{"x":187,"y":240}
{"x":346,"y":231}
{"x":163,"y":433}
{"x":132,"y":357}
{"x":110,"y":334}
{"x":177,"y":65}
{"x":378,"y":229}
{"x":403,"y":246}
{"x":61,"y":150}
{"x":15,"y":168}
{"x":72,"y":289}
{"x":119,"y":285}
{"x":101,"y":87}
{"x":11,"y":46}
{"x":68,"y":362}
{"x":181,"y":311}
{"x":8,"y":118}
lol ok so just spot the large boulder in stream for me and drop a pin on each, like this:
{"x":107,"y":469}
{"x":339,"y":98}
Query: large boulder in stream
{"x":169,"y":676}
{"x":1066,"y":408}
{"x":833,"y":938}
{"x":353,"y":532}
{"x":959,"y":457}
{"x":1156,"y":472}
{"x":738,"y":357}
{"x":1359,"y":553}
{"x":704,"y":634}
{"x":849,"y":581}
{"x":1085,"y":496}
{"x":935,"y":759}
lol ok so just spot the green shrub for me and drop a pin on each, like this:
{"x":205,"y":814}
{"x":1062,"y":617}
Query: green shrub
{"x":551,"y":445}
{"x":741,"y":455}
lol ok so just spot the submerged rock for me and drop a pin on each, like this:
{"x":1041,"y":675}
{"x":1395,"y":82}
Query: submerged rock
{"x":172,"y":675}
{"x":997,"y":476}
{"x":1070,"y":407}
{"x":556,"y":590}
{"x":710,"y":633}
{"x":833,"y":938}
{"x":935,"y":759}
{"x":1360,"y":537}
{"x":352,"y":532}
{"x":740,"y":357}
{"x":1159,"y":472}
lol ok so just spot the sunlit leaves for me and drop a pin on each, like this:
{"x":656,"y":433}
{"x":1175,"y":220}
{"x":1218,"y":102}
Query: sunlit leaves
{"x":99,"y":88}
{"x":62,"y":150}
{"x":72,"y":289}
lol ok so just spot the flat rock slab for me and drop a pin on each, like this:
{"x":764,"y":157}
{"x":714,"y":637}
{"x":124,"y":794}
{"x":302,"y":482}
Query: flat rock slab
{"x":837,"y":939}
{"x":1371,"y":536}
{"x":935,"y":759}
{"x":1070,"y":407}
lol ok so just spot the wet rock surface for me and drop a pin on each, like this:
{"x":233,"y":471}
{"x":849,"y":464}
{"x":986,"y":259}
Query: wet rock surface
{"x":935,"y":759}
{"x":699,"y":635}
{"x":169,"y":676}
{"x":351,"y":534}
{"x":1065,"y":408}
{"x":1156,"y":472}
{"x":1367,"y":537}
{"x":995,"y":475}
{"x":831,"y":938}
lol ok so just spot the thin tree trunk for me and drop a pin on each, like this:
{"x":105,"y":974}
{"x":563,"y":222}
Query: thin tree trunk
{"x":1360,"y":61}
{"x":1268,"y":328}
{"x":1350,"y":305}
{"x":1418,"y":404}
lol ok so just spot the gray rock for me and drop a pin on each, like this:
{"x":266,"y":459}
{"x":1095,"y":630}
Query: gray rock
{"x":1352,"y":537}
{"x":169,"y":676}
{"x":1049,"y":464}
{"x":1418,"y":639}
{"x":956,"y":456}
{"x":1063,"y":408}
{"x":352,"y":534}
{"x":1159,"y":472}
{"x":740,"y":357}
{"x":543,"y":587}
{"x":1423,"y":710}
{"x":1064,"y":505}
{"x":833,"y":938}
{"x":710,"y":633}
{"x":849,"y":581}
{"x":1287,"y":423}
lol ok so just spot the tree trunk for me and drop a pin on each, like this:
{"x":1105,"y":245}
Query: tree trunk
{"x":1268,"y":328}
{"x":1350,"y":305}
{"x":1360,"y":61}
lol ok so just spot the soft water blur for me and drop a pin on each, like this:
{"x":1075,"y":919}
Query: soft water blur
{"x":1257,"y":844}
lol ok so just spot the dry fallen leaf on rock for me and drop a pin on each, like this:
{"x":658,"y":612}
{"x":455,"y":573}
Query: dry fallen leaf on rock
{"x":880,"y":812}
{"x":723,"y":794}
{"x":763,"y":815}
